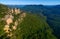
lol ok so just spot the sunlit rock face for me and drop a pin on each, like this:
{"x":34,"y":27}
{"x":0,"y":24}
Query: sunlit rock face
{"x":14,"y":27}
{"x":15,"y":10}
{"x":9,"y":20}
{"x":6,"y":28}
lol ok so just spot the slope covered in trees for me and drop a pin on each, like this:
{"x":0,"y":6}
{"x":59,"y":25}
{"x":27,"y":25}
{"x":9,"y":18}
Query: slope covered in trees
{"x":3,"y":10}
{"x":33,"y":26}
{"x":52,"y":13}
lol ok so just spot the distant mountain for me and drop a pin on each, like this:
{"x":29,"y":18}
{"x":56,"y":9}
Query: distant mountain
{"x":57,"y":6}
{"x":33,"y":8}
{"x":15,"y":6}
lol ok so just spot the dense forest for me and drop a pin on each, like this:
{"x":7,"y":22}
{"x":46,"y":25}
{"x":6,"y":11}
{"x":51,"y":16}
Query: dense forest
{"x":52,"y":13}
{"x":33,"y":26}
{"x":3,"y":12}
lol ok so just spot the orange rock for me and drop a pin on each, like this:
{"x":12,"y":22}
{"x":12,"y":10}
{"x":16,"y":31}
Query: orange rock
{"x":14,"y":27}
{"x":9,"y":20}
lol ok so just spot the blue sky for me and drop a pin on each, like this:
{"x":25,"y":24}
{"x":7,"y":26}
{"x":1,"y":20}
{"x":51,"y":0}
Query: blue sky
{"x":27,"y":2}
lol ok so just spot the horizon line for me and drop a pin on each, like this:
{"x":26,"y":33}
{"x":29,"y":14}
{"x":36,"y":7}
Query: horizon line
{"x":29,"y":4}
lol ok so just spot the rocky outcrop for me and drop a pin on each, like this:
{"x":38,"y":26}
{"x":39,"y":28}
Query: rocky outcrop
{"x":15,"y":10}
{"x":9,"y":20}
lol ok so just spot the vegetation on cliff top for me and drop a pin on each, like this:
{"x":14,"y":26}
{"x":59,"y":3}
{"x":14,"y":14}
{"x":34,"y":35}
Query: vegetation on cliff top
{"x":3,"y":10}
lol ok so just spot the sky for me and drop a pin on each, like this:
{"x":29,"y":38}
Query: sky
{"x":30,"y":2}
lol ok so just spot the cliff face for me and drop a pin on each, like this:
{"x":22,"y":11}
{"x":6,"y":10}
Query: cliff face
{"x":10,"y":19}
{"x":15,"y":10}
